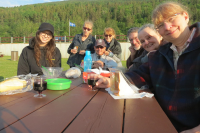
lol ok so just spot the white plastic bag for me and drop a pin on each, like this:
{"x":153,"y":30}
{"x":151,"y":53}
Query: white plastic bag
{"x":73,"y":72}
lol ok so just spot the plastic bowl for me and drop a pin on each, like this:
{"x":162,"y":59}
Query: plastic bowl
{"x":58,"y":84}
{"x":52,"y":72}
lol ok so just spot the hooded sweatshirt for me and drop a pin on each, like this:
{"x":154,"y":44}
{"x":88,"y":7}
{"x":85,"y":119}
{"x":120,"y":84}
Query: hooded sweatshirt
{"x":27,"y":62}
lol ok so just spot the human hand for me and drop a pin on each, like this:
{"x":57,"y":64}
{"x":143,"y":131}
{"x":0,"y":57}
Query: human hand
{"x":98,"y":64}
{"x":132,"y":50}
{"x":74,"y":51}
{"x":82,"y":52}
{"x":106,"y":53}
{"x":193,"y":130}
{"x":101,"y":64}
{"x":103,"y":82}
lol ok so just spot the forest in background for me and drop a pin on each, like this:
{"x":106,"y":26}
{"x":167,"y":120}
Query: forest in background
{"x":118,"y":14}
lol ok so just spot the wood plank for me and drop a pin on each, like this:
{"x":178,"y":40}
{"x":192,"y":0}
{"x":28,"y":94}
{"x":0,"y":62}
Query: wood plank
{"x":102,"y":115}
{"x":54,"y":117}
{"x":146,"y":116}
{"x":18,"y":109}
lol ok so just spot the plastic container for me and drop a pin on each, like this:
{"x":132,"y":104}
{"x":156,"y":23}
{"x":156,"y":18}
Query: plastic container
{"x":58,"y":84}
{"x":52,"y":72}
{"x":87,"y":61}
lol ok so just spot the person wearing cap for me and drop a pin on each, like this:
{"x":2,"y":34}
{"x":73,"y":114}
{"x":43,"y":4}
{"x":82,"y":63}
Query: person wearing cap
{"x":99,"y":58}
{"x":81,"y":43}
{"x":42,"y":51}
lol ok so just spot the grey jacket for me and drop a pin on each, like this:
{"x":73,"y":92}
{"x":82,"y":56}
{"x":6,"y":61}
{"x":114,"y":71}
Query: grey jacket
{"x":116,"y":49}
{"x":88,"y":44}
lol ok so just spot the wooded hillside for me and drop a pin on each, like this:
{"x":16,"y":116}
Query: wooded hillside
{"x":118,"y":14}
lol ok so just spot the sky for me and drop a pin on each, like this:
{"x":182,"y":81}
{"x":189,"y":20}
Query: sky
{"x":12,"y":3}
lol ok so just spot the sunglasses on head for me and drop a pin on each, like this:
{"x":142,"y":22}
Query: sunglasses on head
{"x":88,"y":29}
{"x":101,"y":47}
{"x":108,"y":35}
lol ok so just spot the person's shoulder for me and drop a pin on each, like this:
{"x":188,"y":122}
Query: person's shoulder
{"x":116,"y":42}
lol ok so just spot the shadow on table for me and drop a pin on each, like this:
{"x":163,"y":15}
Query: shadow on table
{"x":4,"y":123}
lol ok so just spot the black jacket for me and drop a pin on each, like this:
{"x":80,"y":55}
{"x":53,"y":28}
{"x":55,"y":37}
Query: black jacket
{"x":88,"y":44}
{"x":27,"y":63}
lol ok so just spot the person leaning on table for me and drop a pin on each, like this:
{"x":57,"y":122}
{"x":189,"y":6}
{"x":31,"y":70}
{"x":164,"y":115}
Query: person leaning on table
{"x":173,"y":71}
{"x":135,"y":48}
{"x":42,"y":51}
{"x":84,"y":41}
{"x":113,"y":47}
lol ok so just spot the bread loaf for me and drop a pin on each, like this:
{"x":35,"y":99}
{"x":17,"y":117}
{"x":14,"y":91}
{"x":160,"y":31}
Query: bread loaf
{"x":12,"y":84}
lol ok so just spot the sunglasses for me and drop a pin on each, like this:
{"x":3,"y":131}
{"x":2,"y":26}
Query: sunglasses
{"x":108,"y":35}
{"x":97,"y":47}
{"x":88,"y":29}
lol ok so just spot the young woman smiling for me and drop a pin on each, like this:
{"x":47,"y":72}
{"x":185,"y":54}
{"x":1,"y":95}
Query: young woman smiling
{"x":81,"y":43}
{"x":42,"y":51}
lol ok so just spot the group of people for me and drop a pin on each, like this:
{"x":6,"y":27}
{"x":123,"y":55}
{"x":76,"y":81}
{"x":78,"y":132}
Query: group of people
{"x":164,"y":56}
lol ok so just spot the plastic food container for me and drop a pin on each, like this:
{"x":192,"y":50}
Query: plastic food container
{"x":58,"y":84}
{"x":52,"y":72}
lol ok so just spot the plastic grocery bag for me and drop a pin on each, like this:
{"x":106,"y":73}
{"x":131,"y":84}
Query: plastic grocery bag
{"x":73,"y":72}
{"x":16,"y":84}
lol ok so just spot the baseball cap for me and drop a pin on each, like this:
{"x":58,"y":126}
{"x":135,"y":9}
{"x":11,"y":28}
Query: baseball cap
{"x":46,"y":26}
{"x":100,"y":42}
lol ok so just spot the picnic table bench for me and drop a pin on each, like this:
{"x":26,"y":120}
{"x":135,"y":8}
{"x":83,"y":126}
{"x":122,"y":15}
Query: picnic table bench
{"x":78,"y":110}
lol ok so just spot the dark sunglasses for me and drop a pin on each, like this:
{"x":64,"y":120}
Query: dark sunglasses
{"x":108,"y":35}
{"x":88,"y":29}
{"x":101,"y":47}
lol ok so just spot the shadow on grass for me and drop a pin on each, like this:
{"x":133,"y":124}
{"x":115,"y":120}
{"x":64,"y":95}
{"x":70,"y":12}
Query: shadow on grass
{"x":1,"y":78}
{"x":8,"y":59}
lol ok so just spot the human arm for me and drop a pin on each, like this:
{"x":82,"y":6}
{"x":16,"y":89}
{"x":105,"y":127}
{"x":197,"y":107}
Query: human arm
{"x":71,"y":49}
{"x":23,"y":65}
{"x":193,"y":130}
{"x":57,"y":62}
{"x":103,"y":82}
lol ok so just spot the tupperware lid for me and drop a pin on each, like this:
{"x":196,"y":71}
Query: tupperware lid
{"x":58,"y":81}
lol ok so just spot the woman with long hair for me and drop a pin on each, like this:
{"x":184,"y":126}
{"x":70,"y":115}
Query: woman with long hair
{"x":81,"y":43}
{"x":42,"y":51}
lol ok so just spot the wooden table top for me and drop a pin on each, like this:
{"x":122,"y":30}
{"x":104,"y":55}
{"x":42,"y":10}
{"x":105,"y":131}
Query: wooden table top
{"x":78,"y":110}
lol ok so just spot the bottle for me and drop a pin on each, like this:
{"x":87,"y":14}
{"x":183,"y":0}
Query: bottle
{"x":87,"y":61}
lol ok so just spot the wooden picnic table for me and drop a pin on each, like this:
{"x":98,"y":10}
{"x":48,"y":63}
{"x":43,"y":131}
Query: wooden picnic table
{"x":78,"y":110}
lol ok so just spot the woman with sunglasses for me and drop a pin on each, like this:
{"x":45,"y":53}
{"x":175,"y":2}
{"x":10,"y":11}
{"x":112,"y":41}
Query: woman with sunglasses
{"x":81,"y":43}
{"x":173,"y":71}
{"x":42,"y":51}
{"x":113,"y":47}
{"x":150,"y":40}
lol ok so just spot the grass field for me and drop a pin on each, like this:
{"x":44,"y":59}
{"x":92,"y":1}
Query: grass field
{"x":8,"y":68}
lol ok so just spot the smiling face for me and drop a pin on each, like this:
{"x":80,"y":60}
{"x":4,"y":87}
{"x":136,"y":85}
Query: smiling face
{"x":149,"y":39}
{"x":135,"y":42}
{"x":99,"y":50}
{"x":175,"y":28}
{"x":45,"y":37}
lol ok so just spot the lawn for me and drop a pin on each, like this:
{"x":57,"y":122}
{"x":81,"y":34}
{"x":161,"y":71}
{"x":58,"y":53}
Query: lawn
{"x":9,"y":67}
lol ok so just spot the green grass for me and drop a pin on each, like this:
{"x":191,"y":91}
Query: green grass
{"x":8,"y":68}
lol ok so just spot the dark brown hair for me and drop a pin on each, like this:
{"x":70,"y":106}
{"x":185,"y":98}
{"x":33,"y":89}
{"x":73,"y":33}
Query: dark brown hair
{"x":49,"y":48}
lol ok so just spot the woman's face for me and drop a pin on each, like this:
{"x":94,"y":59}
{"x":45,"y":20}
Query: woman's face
{"x":108,"y":37}
{"x":87,"y":30}
{"x":45,"y":37}
{"x":174,"y":28}
{"x":149,"y":39}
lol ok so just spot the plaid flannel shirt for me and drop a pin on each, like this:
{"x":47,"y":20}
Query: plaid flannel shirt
{"x":178,"y":94}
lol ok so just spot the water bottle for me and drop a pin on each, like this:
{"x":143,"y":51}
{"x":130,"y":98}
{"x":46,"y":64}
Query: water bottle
{"x":87,"y":61}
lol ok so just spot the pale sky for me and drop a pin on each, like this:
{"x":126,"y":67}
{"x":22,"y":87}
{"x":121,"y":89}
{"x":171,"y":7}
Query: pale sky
{"x":12,"y":3}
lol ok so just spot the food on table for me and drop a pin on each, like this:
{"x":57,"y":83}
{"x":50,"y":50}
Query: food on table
{"x":12,"y":84}
{"x":73,"y":72}
{"x":119,"y":86}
